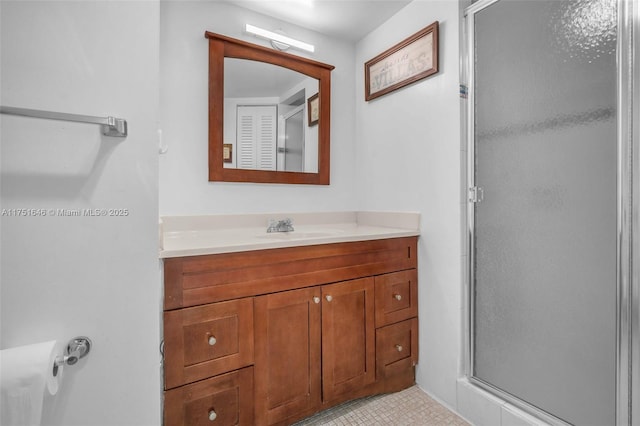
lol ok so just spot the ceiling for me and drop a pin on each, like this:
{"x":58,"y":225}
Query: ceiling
{"x":348,"y":20}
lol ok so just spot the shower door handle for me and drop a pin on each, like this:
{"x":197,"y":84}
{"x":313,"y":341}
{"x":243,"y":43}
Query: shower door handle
{"x":476,"y":194}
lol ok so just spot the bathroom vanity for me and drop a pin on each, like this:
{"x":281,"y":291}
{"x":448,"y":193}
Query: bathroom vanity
{"x":270,"y":328}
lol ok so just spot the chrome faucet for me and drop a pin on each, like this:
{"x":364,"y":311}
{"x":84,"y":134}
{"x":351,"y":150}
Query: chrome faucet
{"x":284,"y":225}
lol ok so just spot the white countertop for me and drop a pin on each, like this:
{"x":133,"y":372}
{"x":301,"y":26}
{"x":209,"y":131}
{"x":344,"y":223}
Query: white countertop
{"x":200,"y":235}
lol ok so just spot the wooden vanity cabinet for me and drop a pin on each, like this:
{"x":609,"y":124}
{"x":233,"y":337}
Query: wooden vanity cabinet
{"x":305,"y":328}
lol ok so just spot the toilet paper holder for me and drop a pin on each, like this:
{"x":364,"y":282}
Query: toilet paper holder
{"x":77,"y":348}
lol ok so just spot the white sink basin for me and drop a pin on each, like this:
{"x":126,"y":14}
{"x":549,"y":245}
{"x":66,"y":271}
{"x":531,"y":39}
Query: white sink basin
{"x":300,"y":234}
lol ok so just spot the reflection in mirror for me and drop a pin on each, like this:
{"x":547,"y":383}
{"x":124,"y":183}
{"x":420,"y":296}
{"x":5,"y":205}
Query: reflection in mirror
{"x":265,"y":118}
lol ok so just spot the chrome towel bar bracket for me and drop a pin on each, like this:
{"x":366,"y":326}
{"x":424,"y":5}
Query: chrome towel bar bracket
{"x":111,"y":126}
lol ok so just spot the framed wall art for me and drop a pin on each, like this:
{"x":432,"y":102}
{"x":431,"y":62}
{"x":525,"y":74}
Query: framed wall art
{"x":227,"y":153}
{"x":313,"y":108}
{"x":410,"y":60}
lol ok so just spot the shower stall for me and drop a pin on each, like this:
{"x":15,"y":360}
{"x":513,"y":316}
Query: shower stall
{"x":552,"y":219}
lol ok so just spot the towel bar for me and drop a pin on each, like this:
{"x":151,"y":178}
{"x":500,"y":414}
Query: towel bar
{"x":111,"y":126}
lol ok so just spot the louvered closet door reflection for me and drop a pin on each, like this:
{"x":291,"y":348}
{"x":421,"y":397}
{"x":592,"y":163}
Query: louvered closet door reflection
{"x":545,"y":99}
{"x":256,"y":137}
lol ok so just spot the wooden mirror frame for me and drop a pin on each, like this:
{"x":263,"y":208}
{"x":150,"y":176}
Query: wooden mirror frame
{"x":221,"y":47}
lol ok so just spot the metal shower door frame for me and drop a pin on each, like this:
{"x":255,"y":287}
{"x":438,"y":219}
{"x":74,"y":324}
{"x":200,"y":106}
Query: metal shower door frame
{"x":628,"y":212}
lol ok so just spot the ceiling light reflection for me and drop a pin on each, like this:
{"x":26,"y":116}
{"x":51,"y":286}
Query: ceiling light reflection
{"x":586,"y":29}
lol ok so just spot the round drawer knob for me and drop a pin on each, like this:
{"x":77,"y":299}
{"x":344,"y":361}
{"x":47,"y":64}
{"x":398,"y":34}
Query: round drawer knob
{"x":328,"y":297}
{"x":397,"y":296}
{"x":399,"y":348}
{"x":212,"y":415}
{"x":316,"y":299}
{"x":212,"y":341}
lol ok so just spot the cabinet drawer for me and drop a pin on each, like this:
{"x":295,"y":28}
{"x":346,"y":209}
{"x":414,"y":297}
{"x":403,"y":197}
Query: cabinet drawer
{"x":207,"y":340}
{"x":396,"y":297}
{"x":396,"y":348}
{"x":223,"y":400}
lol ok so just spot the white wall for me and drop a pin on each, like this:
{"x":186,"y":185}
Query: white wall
{"x":184,"y":189}
{"x":408,"y":158}
{"x":94,"y":276}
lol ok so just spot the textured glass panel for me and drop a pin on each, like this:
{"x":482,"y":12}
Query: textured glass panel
{"x":545,"y":233}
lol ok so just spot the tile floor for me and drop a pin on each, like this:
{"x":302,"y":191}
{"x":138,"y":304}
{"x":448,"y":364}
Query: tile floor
{"x":410,"y":407}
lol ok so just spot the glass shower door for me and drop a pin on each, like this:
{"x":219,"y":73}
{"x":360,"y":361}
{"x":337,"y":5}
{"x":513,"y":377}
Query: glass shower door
{"x":294,"y":141}
{"x":544,"y":270}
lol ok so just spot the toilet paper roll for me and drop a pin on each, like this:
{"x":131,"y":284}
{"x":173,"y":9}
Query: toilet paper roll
{"x":26,"y":375}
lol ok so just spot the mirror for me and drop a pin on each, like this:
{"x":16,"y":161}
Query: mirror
{"x":269,"y":115}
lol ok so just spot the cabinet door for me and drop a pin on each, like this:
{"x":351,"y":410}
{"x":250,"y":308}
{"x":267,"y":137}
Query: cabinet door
{"x":348,"y":337}
{"x":225,"y":399}
{"x":256,"y":135}
{"x":287,"y":354}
